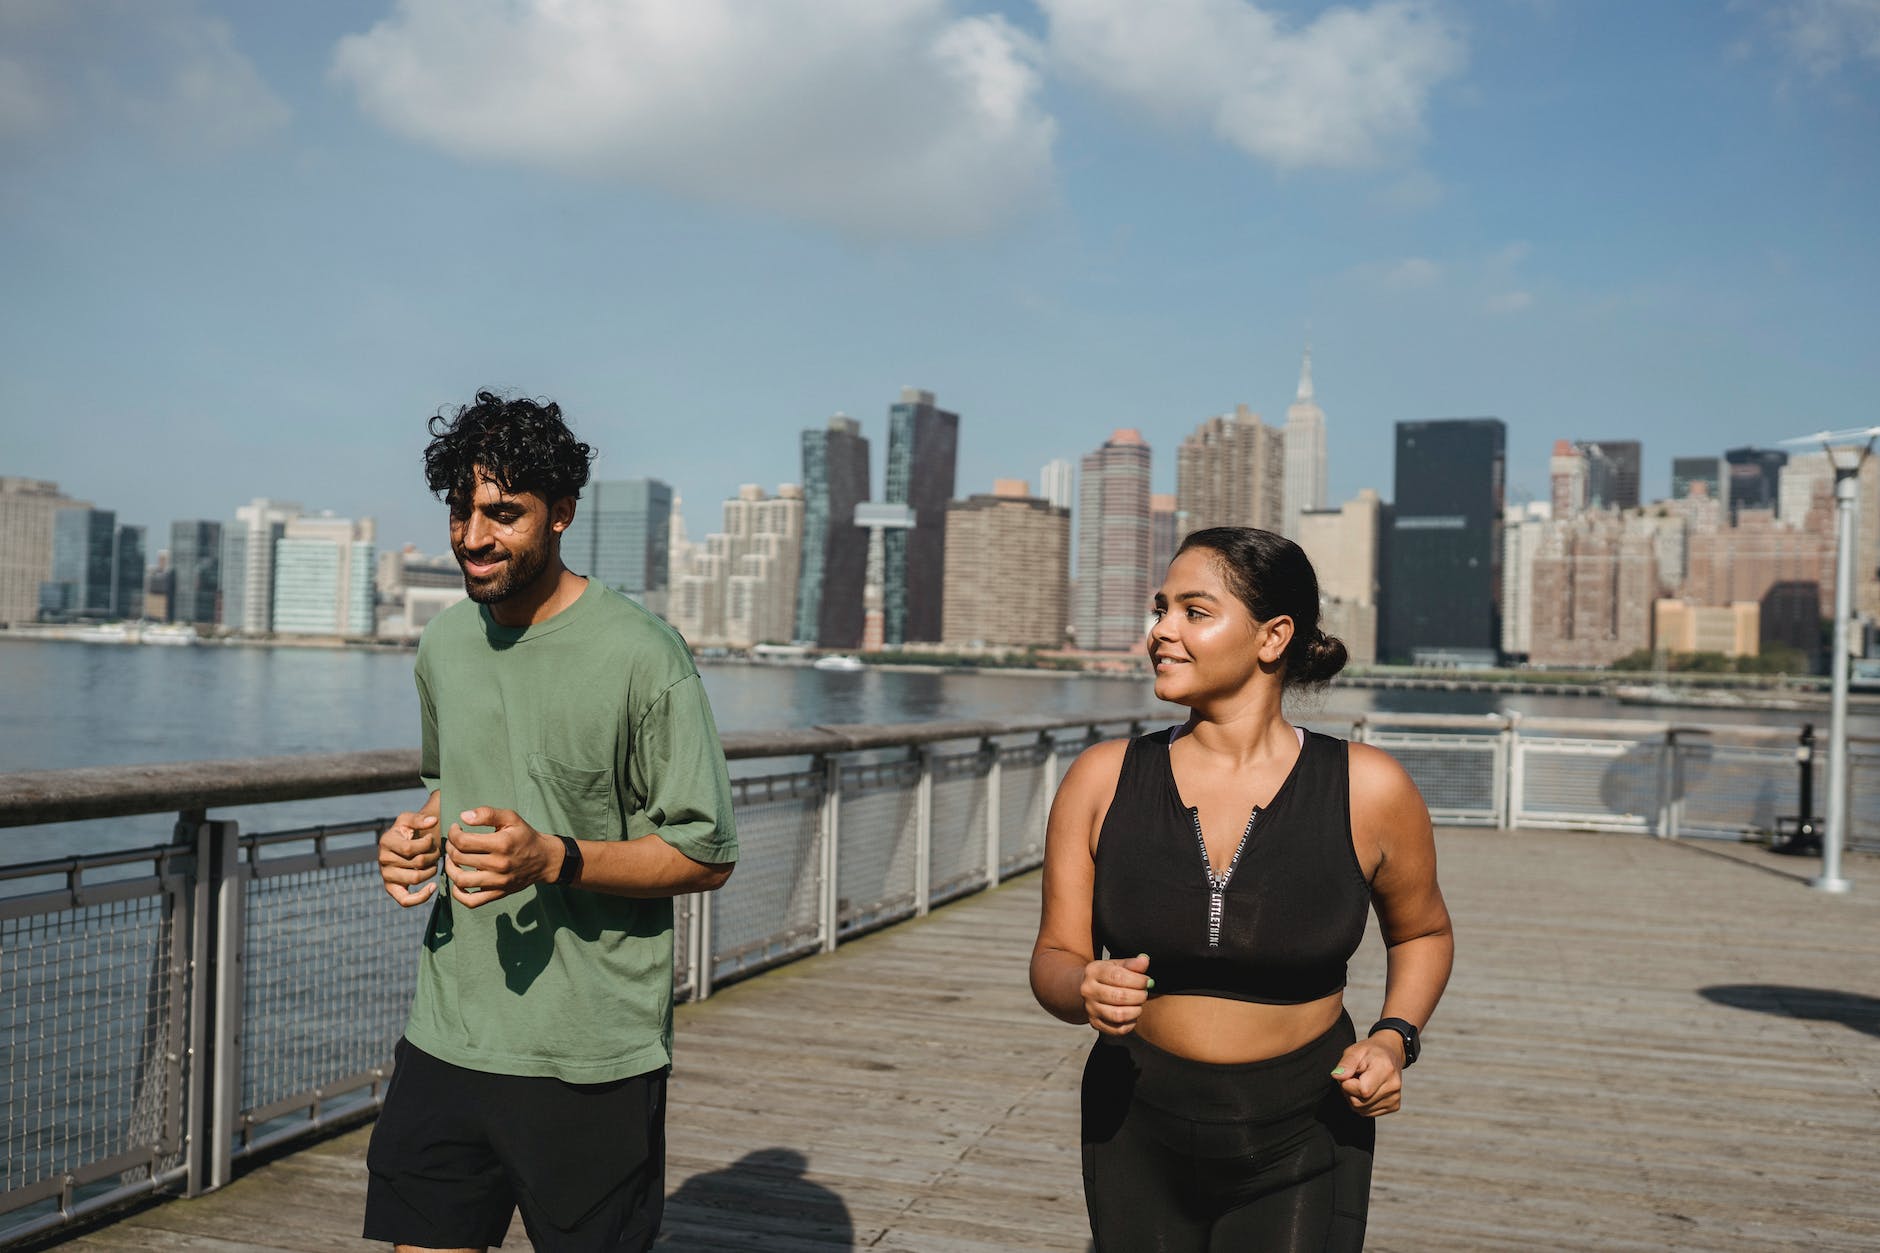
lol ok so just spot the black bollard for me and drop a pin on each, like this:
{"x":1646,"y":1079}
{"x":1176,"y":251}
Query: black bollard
{"x":1802,"y":834}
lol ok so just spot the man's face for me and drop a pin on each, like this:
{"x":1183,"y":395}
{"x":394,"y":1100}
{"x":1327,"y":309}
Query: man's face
{"x":503,"y":541}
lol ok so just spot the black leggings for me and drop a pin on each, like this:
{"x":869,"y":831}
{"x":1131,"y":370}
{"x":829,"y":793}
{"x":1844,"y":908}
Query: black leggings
{"x":1183,"y":1156}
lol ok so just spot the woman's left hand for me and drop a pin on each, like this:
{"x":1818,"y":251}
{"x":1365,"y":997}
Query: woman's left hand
{"x":1371,"y":1075}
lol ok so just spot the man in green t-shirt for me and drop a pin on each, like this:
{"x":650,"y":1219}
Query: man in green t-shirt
{"x":566,"y":729}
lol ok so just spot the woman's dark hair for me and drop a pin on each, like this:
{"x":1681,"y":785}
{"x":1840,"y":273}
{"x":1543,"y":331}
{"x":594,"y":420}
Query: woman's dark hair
{"x":521,"y":445}
{"x":1273,"y":578}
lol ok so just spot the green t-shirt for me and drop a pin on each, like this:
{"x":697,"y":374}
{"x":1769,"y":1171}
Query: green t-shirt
{"x":592,"y":724}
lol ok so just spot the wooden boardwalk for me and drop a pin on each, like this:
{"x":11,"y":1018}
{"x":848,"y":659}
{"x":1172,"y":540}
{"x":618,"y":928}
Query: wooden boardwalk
{"x":1647,"y":1045}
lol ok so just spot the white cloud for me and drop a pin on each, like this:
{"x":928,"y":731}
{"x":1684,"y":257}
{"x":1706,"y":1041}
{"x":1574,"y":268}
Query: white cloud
{"x":1508,"y":301}
{"x":1824,"y":35}
{"x":885,"y":117}
{"x":1348,"y":89}
{"x":156,"y":66}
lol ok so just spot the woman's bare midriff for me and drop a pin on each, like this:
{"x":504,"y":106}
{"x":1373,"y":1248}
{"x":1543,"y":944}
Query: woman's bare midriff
{"x":1216,"y":1029}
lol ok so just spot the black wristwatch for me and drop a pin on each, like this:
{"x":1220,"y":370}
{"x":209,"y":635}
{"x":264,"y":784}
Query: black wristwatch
{"x":570,"y":861}
{"x":1405,"y":1029}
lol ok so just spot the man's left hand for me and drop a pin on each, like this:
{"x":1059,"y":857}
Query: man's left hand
{"x":488,"y":865}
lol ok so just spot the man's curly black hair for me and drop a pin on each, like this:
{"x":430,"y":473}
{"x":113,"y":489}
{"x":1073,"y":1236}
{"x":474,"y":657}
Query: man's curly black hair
{"x":521,"y":445}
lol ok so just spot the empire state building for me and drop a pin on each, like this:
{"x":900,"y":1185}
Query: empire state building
{"x":1305,"y":453}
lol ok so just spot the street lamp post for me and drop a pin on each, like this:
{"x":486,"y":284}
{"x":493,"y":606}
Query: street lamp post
{"x":1846,"y":451}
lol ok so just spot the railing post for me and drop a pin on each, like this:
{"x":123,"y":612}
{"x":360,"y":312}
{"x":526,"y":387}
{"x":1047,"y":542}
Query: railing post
{"x":1668,"y":780}
{"x":994,"y":779}
{"x":831,"y":842}
{"x":1504,"y":772}
{"x":1050,"y":781}
{"x":700,"y":947}
{"x":923,"y":833}
{"x":1517,"y":771}
{"x":215,"y":1005}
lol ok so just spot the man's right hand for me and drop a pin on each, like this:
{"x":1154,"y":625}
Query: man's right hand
{"x":408,"y":854}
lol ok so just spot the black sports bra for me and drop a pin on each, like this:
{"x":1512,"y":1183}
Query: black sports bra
{"x":1277,"y":926}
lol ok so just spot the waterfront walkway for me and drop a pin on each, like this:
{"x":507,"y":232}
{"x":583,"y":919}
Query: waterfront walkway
{"x":1647,"y":1045}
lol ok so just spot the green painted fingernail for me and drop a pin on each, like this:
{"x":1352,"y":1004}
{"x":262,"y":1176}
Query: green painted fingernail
{"x":1152,"y":983}
{"x":1338,"y":1072}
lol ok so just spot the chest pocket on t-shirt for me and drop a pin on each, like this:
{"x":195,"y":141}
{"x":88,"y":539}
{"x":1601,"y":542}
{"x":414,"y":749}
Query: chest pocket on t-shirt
{"x":576,"y":801}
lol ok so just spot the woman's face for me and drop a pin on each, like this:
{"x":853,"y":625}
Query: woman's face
{"x":1203,"y":640}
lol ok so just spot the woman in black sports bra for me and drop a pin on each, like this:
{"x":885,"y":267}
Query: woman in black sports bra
{"x":1204,"y":888}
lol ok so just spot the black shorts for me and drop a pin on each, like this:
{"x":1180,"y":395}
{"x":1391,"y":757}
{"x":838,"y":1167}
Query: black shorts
{"x":457,"y":1151}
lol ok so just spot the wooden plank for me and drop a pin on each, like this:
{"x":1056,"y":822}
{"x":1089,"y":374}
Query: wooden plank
{"x":1647,"y":1045}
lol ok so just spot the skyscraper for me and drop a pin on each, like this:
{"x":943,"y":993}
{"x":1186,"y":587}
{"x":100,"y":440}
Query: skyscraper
{"x":1165,"y":534}
{"x":620,"y":534}
{"x":1443,"y":573}
{"x":835,"y":550}
{"x":1305,"y":453}
{"x":1755,"y":478}
{"x":1522,"y":529}
{"x":1008,"y":570}
{"x":1342,"y":545}
{"x":195,"y":570}
{"x":127,"y":593}
{"x":248,"y":563}
{"x":28,"y":509}
{"x":1114,"y":544}
{"x":84,"y":580}
{"x":323,"y":577}
{"x":1595,"y":578}
{"x":1706,"y":470}
{"x":1231,"y":471}
{"x":1614,"y":466}
{"x":1057,"y":483}
{"x":741,"y":588}
{"x":923,"y":447}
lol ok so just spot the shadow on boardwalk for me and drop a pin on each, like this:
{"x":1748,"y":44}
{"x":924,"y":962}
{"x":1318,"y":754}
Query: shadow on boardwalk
{"x":1646,"y":1045}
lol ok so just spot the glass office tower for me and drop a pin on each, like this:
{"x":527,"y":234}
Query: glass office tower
{"x":835,"y":550}
{"x":1442,"y":575}
{"x":923,"y":447}
{"x":621,"y":535}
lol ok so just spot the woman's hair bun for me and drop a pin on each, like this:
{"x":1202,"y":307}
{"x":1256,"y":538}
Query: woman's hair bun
{"x":1323,"y":656}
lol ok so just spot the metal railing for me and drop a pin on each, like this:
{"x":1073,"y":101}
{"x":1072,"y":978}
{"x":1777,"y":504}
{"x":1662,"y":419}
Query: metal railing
{"x":168,"y":1011}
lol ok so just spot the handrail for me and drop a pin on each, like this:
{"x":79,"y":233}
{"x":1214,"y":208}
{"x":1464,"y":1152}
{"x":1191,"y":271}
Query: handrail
{"x":30,"y":798}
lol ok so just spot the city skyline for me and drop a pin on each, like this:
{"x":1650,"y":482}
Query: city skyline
{"x":231,"y":240}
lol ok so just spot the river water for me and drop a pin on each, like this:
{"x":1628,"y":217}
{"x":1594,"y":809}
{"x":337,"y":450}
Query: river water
{"x":64,"y":703}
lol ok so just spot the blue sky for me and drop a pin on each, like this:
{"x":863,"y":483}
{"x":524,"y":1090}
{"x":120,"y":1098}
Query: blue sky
{"x":247,"y":249}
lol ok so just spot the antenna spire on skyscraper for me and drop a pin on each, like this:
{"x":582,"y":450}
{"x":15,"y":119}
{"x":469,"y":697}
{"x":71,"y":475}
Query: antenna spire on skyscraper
{"x":1305,"y":376}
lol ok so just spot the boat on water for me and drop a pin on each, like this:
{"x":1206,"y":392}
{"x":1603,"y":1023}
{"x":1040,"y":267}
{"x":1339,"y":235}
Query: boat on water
{"x":837,"y":662}
{"x":107,"y":633}
{"x":172,"y":634}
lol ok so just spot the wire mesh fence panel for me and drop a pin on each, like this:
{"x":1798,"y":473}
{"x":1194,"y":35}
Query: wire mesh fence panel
{"x":93,"y":1035}
{"x":957,"y":856}
{"x":770,"y":909}
{"x":1596,"y":784}
{"x":1734,"y":790}
{"x":1023,"y":802}
{"x":1863,"y":795}
{"x":878,"y":844}
{"x":329,"y":967}
{"x":1460,"y":776}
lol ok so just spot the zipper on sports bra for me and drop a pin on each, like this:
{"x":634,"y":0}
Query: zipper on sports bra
{"x":1217,"y":883}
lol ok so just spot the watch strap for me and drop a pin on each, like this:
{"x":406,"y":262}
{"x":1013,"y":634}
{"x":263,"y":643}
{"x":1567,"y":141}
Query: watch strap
{"x":570,"y":860}
{"x":1412,"y":1038}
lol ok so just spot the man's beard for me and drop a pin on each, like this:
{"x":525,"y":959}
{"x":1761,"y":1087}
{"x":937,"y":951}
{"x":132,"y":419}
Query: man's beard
{"x":517,"y":572}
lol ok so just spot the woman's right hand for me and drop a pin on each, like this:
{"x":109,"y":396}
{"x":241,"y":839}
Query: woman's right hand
{"x":1114,"y":993}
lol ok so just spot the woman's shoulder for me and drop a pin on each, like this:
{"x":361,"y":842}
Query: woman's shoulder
{"x":1378,"y":780}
